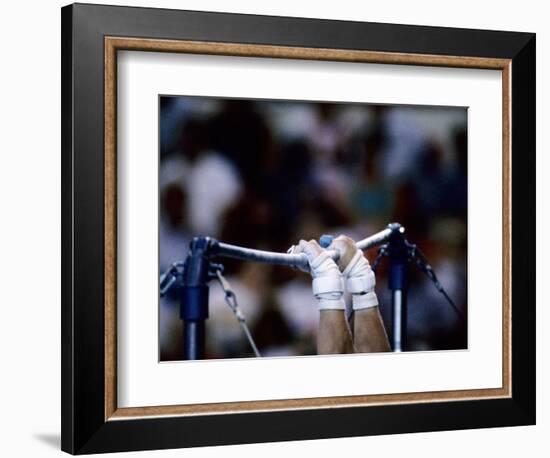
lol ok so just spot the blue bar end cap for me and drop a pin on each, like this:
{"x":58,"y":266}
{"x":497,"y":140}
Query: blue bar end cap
{"x":326,"y":240}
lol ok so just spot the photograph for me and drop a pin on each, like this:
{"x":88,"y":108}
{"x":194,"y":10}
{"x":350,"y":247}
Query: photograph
{"x":313,"y":178}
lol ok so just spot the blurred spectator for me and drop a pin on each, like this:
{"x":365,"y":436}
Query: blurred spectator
{"x":371,"y":196}
{"x":209,"y":179}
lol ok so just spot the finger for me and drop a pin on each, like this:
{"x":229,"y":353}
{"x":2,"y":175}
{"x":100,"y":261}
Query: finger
{"x":342,"y":244}
{"x":313,"y":249}
{"x":296,"y":249}
{"x":344,"y":239}
{"x":315,"y":244}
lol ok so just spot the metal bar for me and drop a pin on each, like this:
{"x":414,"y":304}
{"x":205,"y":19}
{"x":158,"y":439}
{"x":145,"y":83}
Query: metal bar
{"x":374,"y":240}
{"x":267,"y":257}
{"x":193,"y":339}
{"x":398,"y":254}
{"x":194,"y":298}
{"x":297,"y":260}
{"x":399,"y":319}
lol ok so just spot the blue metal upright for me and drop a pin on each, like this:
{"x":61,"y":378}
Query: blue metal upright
{"x":194,"y":297}
{"x":398,"y":253}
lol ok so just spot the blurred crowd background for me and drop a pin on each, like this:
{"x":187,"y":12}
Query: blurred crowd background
{"x":265,"y":174}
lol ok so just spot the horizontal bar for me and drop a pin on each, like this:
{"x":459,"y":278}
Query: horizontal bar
{"x":295,"y":260}
{"x":266,"y":257}
{"x":375,"y":240}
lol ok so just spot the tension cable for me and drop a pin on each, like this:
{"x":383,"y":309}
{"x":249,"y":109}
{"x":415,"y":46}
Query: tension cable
{"x":231,"y":300}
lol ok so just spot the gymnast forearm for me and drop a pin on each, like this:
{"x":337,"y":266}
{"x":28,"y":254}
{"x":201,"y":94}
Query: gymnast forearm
{"x":334,"y":336}
{"x":369,"y":331}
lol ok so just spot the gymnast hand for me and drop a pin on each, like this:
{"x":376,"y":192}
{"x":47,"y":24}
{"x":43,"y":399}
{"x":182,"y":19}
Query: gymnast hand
{"x":327,"y":285}
{"x":369,"y":333}
{"x":356,"y":270}
{"x":334,"y":336}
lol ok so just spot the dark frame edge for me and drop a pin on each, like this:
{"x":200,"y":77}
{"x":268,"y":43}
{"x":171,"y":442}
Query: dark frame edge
{"x":524,"y":215}
{"x":234,"y":429}
{"x":67,"y":82}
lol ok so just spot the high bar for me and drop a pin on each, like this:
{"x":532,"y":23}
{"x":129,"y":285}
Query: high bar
{"x":295,"y":260}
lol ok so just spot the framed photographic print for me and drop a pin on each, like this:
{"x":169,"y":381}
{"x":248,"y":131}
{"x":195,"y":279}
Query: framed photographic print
{"x":284,"y":228}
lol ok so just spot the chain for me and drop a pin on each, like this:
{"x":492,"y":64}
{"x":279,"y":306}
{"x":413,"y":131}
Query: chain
{"x":231,"y":300}
{"x":169,"y":277}
{"x":416,"y":255}
{"x":422,"y":263}
{"x":383,"y":251}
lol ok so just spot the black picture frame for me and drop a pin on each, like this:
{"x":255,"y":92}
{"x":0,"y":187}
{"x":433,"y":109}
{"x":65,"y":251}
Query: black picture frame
{"x":84,"y":427}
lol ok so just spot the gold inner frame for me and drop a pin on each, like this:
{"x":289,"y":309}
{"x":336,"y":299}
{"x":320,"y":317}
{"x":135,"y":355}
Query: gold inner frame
{"x":114,"y":44}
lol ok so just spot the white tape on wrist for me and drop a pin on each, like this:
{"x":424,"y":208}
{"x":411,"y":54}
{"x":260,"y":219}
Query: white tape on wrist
{"x":363,"y":283}
{"x":364,"y":301}
{"x":332,"y":304}
{"x":359,"y":276}
{"x":330,"y":284}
